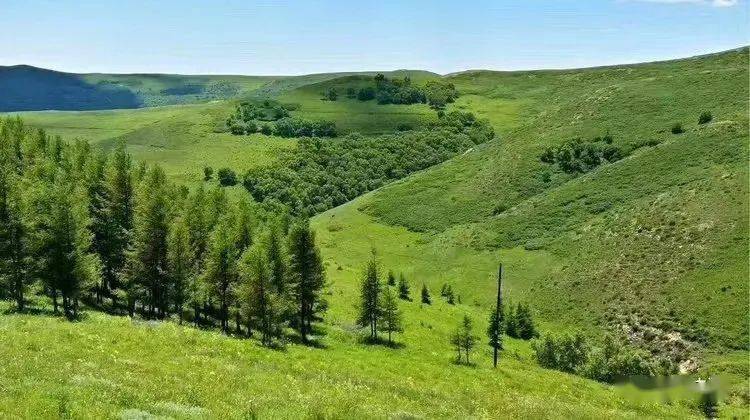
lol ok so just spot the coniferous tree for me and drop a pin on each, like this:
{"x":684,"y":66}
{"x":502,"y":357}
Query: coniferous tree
{"x":510,"y":322}
{"x":276,"y":259}
{"x":115,"y":222}
{"x":263,"y":308}
{"x":391,"y":317}
{"x":306,"y":277}
{"x":220,"y":274}
{"x":495,"y":332}
{"x":426,"y":295}
{"x":181,"y":264}
{"x":243,"y":232}
{"x":403,"y":288}
{"x":370,"y":305}
{"x":525,"y":327}
{"x":466,"y":333}
{"x":16,"y":264}
{"x":146,"y":270}
{"x":69,"y":267}
{"x":391,"y":278}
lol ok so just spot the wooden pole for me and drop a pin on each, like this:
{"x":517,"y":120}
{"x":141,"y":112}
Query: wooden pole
{"x":497,"y":307}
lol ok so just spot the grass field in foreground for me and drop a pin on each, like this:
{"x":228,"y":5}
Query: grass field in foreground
{"x":112,"y":367}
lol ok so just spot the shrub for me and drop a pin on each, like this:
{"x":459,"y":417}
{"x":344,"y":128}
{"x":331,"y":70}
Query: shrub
{"x":705,"y":118}
{"x":266,"y":129}
{"x":677,"y":129}
{"x":227,"y":177}
{"x":208,"y":173}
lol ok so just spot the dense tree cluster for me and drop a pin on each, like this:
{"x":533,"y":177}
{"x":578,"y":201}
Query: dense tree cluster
{"x":78,"y":226}
{"x":272,"y":118}
{"x":610,"y":362}
{"x":436,"y":93}
{"x":321,"y":174}
{"x":519,"y":322}
{"x":578,"y":156}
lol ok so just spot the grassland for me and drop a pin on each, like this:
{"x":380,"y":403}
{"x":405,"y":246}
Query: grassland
{"x":182,"y":139}
{"x":656,"y":240}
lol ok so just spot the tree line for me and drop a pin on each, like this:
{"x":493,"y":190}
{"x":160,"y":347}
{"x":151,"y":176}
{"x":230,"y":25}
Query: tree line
{"x":436,"y":93}
{"x":271,"y":118}
{"x":321,"y":174}
{"x":81,"y":226}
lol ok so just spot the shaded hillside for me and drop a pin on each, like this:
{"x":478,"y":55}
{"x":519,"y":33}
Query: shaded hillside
{"x":26,"y":88}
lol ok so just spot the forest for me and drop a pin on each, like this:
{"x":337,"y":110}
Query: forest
{"x":322,"y":174}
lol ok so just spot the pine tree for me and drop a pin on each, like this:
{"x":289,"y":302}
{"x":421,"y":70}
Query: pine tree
{"x":495,"y":324}
{"x":391,"y":317}
{"x":391,"y":278}
{"x":525,"y":327}
{"x":510,"y":322}
{"x":181,"y":264}
{"x":262,"y":307}
{"x":15,"y":249}
{"x":69,"y":266}
{"x":403,"y":288}
{"x":495,"y":333}
{"x":450,"y":298}
{"x":146,"y":270}
{"x":276,"y":259}
{"x":243,"y":233}
{"x":114,"y":224}
{"x":369,"y":307}
{"x":426,"y":295}
{"x":306,"y":277}
{"x":468,"y":340}
{"x":220,"y":275}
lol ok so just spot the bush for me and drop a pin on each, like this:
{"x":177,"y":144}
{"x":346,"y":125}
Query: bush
{"x":677,"y":129}
{"x":366,"y":94}
{"x":266,"y":129}
{"x":612,"y":362}
{"x":208,"y":173}
{"x":578,"y":156}
{"x":705,"y":118}
{"x":227,"y":177}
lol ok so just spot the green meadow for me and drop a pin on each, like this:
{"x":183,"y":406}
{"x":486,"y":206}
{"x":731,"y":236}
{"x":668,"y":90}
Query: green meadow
{"x":656,"y":241}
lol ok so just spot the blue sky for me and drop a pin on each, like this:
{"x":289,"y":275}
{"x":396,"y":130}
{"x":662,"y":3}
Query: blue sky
{"x":285,"y":37}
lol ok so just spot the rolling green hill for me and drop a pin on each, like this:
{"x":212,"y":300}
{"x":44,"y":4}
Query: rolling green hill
{"x":656,"y":241}
{"x":653,"y":245}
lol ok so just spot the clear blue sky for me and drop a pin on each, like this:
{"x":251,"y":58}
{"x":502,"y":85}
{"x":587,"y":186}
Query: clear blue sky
{"x":285,"y":37}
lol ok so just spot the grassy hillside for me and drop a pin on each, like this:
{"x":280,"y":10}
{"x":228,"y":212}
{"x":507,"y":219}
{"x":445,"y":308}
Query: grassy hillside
{"x":657,"y":240}
{"x":27,"y":88}
{"x":182,"y":139}
{"x":352,"y":115}
{"x":109,"y":366}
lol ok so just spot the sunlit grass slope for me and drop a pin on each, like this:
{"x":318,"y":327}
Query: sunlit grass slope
{"x":181,"y":138}
{"x":112,"y":367}
{"x":658,"y":239}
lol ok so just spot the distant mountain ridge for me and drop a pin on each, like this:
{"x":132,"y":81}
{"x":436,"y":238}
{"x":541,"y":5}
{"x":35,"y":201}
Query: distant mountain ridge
{"x":29,"y":88}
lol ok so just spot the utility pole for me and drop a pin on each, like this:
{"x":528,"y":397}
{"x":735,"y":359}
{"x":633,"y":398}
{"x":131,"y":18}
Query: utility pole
{"x":498,"y":305}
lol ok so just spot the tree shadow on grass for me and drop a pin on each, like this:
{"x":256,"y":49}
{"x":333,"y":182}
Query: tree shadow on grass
{"x":379,"y":341}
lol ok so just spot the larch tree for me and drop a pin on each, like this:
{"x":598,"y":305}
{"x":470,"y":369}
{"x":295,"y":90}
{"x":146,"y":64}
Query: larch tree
{"x":426,"y":295}
{"x":220,"y":273}
{"x":116,"y":219}
{"x":403,"y":288}
{"x":370,"y":305}
{"x":306,"y":277}
{"x":391,"y":317}
{"x":147,"y":268}
{"x":181,"y":264}
{"x":263,"y":307}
